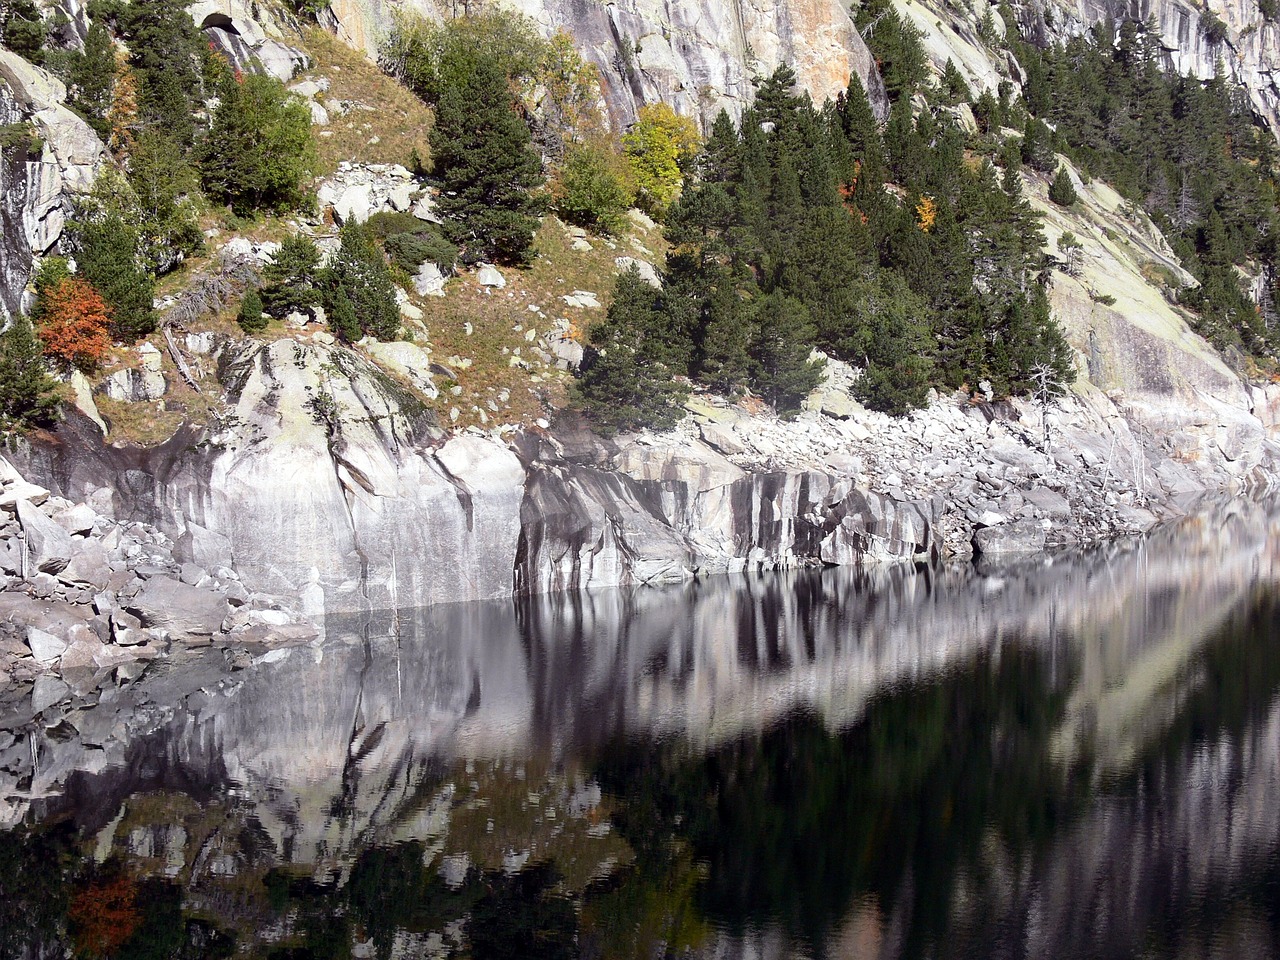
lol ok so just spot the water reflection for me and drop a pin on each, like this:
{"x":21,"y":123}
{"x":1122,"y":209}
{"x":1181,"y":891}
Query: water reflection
{"x":1071,"y":759}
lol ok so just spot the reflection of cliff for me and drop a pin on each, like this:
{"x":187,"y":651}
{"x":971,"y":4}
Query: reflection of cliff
{"x":851,"y":763}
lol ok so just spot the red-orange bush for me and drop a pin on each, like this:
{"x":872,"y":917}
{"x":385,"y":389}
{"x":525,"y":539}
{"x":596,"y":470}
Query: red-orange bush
{"x":73,"y":323}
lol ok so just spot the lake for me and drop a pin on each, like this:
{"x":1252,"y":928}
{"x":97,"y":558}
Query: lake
{"x":1075,"y":757}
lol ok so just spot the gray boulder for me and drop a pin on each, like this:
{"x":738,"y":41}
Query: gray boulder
{"x":1009,"y":539}
{"x":429,"y":281}
{"x":179,"y":607}
{"x":45,"y":647}
{"x":49,"y":544}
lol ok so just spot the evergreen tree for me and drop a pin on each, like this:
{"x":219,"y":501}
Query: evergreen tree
{"x":289,"y":280}
{"x":1061,"y":190}
{"x":259,"y":149}
{"x":485,"y":166}
{"x":624,"y":383}
{"x":28,"y":396}
{"x":164,"y":186}
{"x":22,"y":30}
{"x":107,"y":255}
{"x":359,"y":292}
{"x":167,"y":56}
{"x":780,"y":369}
{"x":92,"y":76}
{"x":250,"y":317}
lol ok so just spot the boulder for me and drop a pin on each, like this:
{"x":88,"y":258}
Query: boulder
{"x":488,"y":276}
{"x":355,"y":202}
{"x":398,"y":197}
{"x":77,"y":519}
{"x":179,"y":607}
{"x":47,"y":692}
{"x":429,"y":281}
{"x":648,"y":272}
{"x":45,"y":647}
{"x":135,"y":386}
{"x":89,"y":565}
{"x":1010,"y":539}
{"x":204,"y":547}
{"x":49,"y":545}
{"x":424,"y":208}
{"x":408,"y":360}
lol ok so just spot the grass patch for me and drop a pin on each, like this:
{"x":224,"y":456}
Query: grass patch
{"x":384,"y":122}
{"x":500,"y":321}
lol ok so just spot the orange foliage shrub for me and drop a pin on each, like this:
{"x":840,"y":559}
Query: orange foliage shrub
{"x":104,"y":915}
{"x":74,"y":322}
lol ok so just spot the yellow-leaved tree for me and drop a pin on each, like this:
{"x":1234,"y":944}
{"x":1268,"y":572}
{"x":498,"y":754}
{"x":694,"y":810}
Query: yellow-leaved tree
{"x":660,"y":147}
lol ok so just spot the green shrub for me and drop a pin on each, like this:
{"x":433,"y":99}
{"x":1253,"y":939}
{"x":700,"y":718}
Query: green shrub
{"x":409,"y":251}
{"x":1062,"y":191}
{"x":593,"y":187}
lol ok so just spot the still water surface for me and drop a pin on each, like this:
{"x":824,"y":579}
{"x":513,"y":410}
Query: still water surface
{"x":1075,"y":759}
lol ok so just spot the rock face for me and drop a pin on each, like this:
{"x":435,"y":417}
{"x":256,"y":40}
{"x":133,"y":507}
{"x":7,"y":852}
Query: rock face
{"x":328,"y":476}
{"x":697,"y":55}
{"x":249,"y":36}
{"x":36,"y":187}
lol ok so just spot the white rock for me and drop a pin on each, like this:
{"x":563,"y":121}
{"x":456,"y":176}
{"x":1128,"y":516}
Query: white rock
{"x":489,"y":276}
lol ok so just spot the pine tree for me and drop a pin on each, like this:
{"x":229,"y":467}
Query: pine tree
{"x":93,"y":76}
{"x":250,"y":317}
{"x":1061,"y":190}
{"x":28,"y":396}
{"x":624,"y":383}
{"x":359,"y":291}
{"x":107,"y":257}
{"x":485,"y":166}
{"x":259,"y":148}
{"x":289,"y":280}
{"x":781,"y":341}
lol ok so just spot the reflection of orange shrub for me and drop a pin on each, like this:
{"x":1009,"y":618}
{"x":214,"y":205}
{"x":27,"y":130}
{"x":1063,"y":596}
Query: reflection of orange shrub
{"x":104,"y":915}
{"x":73,"y":323}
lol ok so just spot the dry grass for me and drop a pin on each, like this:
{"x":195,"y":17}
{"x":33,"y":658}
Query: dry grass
{"x":501,"y":320}
{"x":385,"y":122}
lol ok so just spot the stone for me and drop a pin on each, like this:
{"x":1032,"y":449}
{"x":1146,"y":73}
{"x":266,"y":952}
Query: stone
{"x":77,"y":519}
{"x":1047,"y":502}
{"x":204,"y":547}
{"x":353,"y":204}
{"x":135,"y":385}
{"x":48,"y":692}
{"x":1010,"y":539}
{"x":179,"y":607}
{"x":489,"y":276}
{"x":648,"y":272}
{"x":406,"y":359}
{"x":399,"y":197}
{"x":47,"y":543}
{"x":89,"y":565}
{"x":429,"y":280}
{"x":424,"y":208}
{"x":192,"y":574}
{"x":45,"y":647}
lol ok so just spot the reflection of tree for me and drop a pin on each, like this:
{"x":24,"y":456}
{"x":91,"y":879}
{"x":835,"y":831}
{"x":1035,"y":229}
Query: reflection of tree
{"x":33,"y":889}
{"x":652,"y":903}
{"x":104,"y":914}
{"x":795,"y":823}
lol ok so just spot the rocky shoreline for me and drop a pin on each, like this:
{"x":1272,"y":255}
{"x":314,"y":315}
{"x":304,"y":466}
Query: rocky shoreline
{"x":88,"y":602}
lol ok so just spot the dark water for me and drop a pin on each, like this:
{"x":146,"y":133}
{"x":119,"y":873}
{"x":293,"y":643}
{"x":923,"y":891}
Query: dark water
{"x":1076,"y":759}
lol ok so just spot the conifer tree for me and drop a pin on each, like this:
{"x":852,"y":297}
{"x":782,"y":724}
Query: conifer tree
{"x":359,"y":291}
{"x":92,"y":77}
{"x":1061,"y":190}
{"x":289,"y":280}
{"x":28,"y":396}
{"x":250,"y":317}
{"x":107,"y":254}
{"x":485,"y":165}
{"x":780,"y":369}
{"x":259,"y":148}
{"x":624,"y":383}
